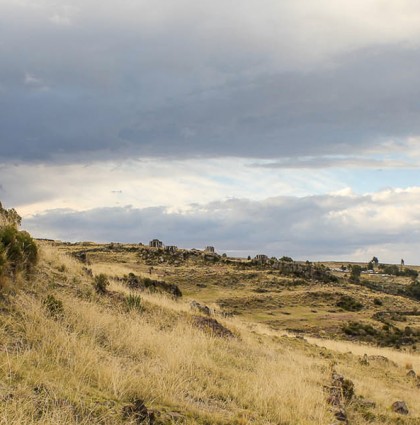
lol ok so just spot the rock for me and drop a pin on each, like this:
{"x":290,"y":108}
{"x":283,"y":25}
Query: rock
{"x":400,"y":407}
{"x":341,"y":393}
{"x":200,"y":307}
{"x":212,"y":326}
{"x":138,"y":411}
{"x":341,"y":415}
{"x":342,"y":388}
{"x":412,"y":374}
{"x":81,"y":256}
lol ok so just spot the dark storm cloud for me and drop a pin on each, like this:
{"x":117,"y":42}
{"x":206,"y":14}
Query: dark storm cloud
{"x":98,"y":89}
{"x":310,"y":227}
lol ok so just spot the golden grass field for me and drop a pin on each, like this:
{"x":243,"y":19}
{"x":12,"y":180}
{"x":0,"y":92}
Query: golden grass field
{"x":96,"y":355}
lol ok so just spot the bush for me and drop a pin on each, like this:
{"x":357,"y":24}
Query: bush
{"x":53,"y":306}
{"x":286,"y":259}
{"x":133,"y":302}
{"x":410,"y":273}
{"x":18,"y":250}
{"x":349,"y":303}
{"x":396,"y":271}
{"x":389,"y":335}
{"x":101,"y":283}
{"x":9,"y":217}
{"x":414,"y":290}
{"x":359,"y":329}
{"x":137,"y":282}
{"x":3,"y":259}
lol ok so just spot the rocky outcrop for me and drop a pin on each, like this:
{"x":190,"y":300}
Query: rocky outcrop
{"x":341,"y":392}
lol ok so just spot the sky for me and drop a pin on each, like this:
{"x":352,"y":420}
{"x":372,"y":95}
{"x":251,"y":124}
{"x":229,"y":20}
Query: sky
{"x":278,"y":127}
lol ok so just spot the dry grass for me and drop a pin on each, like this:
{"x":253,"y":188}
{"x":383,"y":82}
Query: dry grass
{"x":383,"y":380}
{"x":83,"y":366}
{"x":401,"y":358}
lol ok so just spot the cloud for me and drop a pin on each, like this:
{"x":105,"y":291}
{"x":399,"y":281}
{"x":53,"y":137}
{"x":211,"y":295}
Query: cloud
{"x":148,"y":183}
{"x":336,"y":162}
{"x":212,"y":79}
{"x":214,"y":122}
{"x":315,"y":227}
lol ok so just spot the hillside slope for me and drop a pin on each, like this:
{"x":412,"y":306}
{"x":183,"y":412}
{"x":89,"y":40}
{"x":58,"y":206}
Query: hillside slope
{"x":73,"y":354}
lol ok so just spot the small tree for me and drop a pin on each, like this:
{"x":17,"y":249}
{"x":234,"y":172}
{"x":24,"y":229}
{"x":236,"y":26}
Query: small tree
{"x":356,"y":271}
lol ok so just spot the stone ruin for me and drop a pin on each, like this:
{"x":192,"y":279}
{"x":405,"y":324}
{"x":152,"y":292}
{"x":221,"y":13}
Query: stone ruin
{"x":171,"y":249}
{"x":156,"y":243}
{"x":261,"y":258}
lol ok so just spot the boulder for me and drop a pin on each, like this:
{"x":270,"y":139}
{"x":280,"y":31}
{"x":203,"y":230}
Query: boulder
{"x":400,"y":407}
{"x":412,"y":374}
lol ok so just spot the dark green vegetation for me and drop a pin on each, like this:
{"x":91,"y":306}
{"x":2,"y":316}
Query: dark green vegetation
{"x":349,"y":303}
{"x":398,"y":271}
{"x":101,"y":283}
{"x":137,"y":282}
{"x":53,"y":306}
{"x":18,"y":251}
{"x":387,"y":335}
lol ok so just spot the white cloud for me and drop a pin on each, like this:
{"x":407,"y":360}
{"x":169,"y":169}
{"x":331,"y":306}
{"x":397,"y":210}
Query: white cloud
{"x":174,"y":184}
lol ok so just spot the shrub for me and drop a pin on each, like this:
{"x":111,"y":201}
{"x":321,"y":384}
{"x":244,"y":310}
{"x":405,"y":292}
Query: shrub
{"x":101,"y":283}
{"x":133,"y":302}
{"x":410,"y":273}
{"x":396,"y":271}
{"x":377,"y":301}
{"x":359,"y":329}
{"x":137,"y":282}
{"x":3,"y":259}
{"x":388,"y":335}
{"x":414,"y":290}
{"x":286,"y":259}
{"x":53,"y":306}
{"x":18,"y":249}
{"x":349,"y":303}
{"x":9,"y":217}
